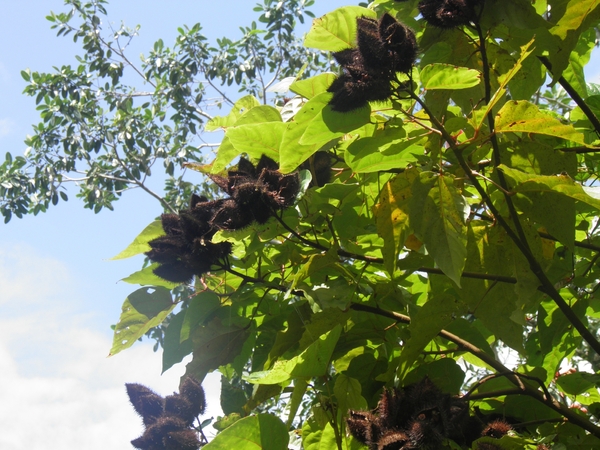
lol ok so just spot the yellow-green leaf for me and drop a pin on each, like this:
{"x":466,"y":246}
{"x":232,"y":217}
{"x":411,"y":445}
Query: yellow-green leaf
{"x":336,"y":30}
{"x":447,"y":76}
{"x":140,"y":243}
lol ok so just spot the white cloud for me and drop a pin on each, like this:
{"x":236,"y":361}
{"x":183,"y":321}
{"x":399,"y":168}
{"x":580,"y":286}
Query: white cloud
{"x":57,"y":387}
{"x":6,"y":127}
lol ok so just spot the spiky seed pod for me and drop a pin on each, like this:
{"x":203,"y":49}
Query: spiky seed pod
{"x":400,"y":43}
{"x":192,"y":225}
{"x":182,"y":440}
{"x":179,"y":406}
{"x":147,"y":403}
{"x":448,"y":13}
{"x":231,"y":217}
{"x":393,"y":440}
{"x":349,"y":57}
{"x":496,"y":429}
{"x":192,"y":390}
{"x":171,"y":225}
{"x":364,"y":427}
{"x":266,"y":163}
{"x":355,"y":89}
{"x":175,"y":272}
{"x":157,"y":434}
{"x":374,"y":55}
{"x":166,"y":249}
{"x":195,"y":199}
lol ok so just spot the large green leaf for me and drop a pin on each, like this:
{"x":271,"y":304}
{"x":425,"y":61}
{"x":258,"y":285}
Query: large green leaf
{"x":577,"y":17}
{"x":312,"y":362}
{"x":563,"y":184}
{"x":318,"y":437}
{"x":504,"y":80}
{"x":437,"y":215}
{"x":336,"y":30}
{"x":258,"y":139}
{"x":242,"y":106}
{"x":438,"y":312}
{"x":447,"y":76}
{"x":388,"y":149}
{"x":525,"y":117}
{"x":215,"y":345}
{"x":140,"y":243}
{"x":347,"y":391}
{"x":260,"y":432}
{"x":292,"y":153}
{"x":313,"y":86}
{"x":391,"y":216}
{"x":143,"y":309}
{"x":147,"y":277}
{"x":174,"y":349}
{"x":494,"y":303}
{"x":329,"y":124}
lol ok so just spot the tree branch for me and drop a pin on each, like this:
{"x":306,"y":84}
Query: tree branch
{"x":524,"y":389}
{"x":574,"y":95}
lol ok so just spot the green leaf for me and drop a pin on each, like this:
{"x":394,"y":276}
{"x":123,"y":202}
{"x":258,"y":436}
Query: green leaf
{"x":174,"y":350}
{"x":311,"y":87}
{"x":312,"y":362}
{"x":140,"y":243}
{"x":525,"y":117}
{"x":143,"y":309}
{"x":578,"y":383}
{"x":438,"y":312}
{"x":504,"y":80}
{"x":388,"y":149}
{"x":563,"y":184}
{"x":391,"y":215}
{"x":314,"y":264}
{"x":215,"y":345}
{"x":437,"y":215}
{"x":447,"y":76}
{"x":300,"y":386}
{"x":198,"y":310}
{"x":347,"y":391}
{"x":329,"y":124}
{"x":263,"y":431}
{"x":292,"y":153}
{"x":257,"y":139}
{"x":146,"y":277}
{"x":242,"y":106}
{"x":336,"y":30}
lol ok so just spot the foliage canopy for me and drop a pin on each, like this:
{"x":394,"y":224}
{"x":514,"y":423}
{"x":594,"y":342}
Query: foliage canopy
{"x":456,"y":236}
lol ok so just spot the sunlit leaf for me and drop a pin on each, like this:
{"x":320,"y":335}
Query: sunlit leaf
{"x":336,"y":30}
{"x":143,"y":309}
{"x":263,"y":431}
{"x":437,"y":215}
{"x":447,"y":76}
{"x":525,"y":117}
{"x":140,"y":243}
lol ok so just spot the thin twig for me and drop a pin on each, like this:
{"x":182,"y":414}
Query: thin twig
{"x":574,"y":95}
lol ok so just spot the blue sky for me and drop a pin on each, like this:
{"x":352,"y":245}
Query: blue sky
{"x":59,"y":293}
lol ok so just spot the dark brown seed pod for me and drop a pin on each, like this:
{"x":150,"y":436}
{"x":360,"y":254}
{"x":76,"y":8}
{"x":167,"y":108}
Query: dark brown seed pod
{"x":175,"y":272}
{"x":194,"y":393}
{"x":374,"y":55}
{"x":147,"y":403}
{"x":496,"y":429}
{"x":166,"y":249}
{"x":448,"y":13}
{"x":394,"y":440}
{"x":157,"y":434}
{"x":170,"y":223}
{"x":182,"y":440}
{"x":363,"y":426}
{"x":179,"y":406}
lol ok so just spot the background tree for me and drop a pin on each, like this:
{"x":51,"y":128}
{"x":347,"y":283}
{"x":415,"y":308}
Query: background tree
{"x":455,"y":238}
